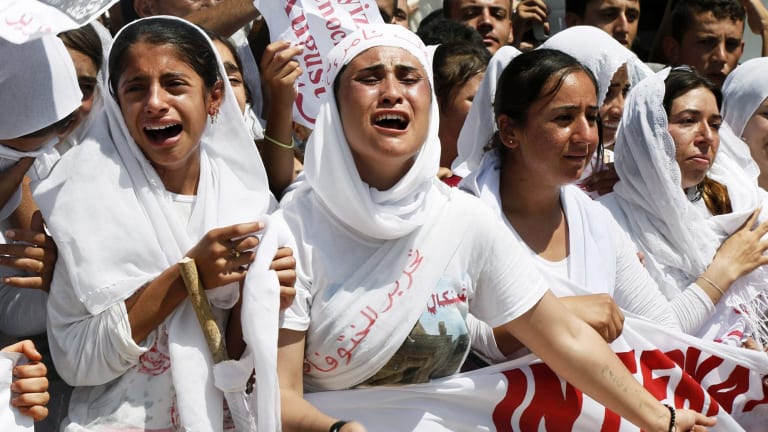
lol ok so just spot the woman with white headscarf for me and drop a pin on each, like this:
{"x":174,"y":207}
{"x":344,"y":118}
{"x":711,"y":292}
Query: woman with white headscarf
{"x":691,"y":214}
{"x":387,"y":254}
{"x":168,"y":170}
{"x":745,"y":109}
{"x":39,"y":94}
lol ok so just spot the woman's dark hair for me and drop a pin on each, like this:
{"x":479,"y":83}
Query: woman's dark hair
{"x":455,"y":63}
{"x":523,"y":82}
{"x":191,"y":45}
{"x":679,"y":82}
{"x":215,"y":37}
{"x":87,"y":41}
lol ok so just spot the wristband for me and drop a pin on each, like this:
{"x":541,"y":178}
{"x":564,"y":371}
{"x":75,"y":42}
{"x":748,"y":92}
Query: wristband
{"x":671,"y":418}
{"x":336,"y":427}
{"x":279,"y":144}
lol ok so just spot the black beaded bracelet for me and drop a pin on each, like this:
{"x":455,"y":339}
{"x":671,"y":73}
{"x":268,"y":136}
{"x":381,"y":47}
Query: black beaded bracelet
{"x":671,"y":417}
{"x":336,"y":427}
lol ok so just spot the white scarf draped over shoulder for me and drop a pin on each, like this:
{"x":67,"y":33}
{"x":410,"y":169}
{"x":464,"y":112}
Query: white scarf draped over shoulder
{"x":678,"y":239}
{"x":383,"y":294}
{"x":116,"y":228}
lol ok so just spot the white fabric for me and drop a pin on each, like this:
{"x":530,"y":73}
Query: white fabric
{"x":21,"y":21}
{"x":370,"y":259}
{"x":341,"y":273}
{"x":525,"y":395}
{"x":11,"y":420}
{"x":600,"y":53}
{"x":602,"y":258}
{"x":328,"y":163}
{"x":678,"y":239}
{"x":480,"y":123}
{"x":38,"y":88}
{"x":744,"y":91}
{"x":116,"y":228}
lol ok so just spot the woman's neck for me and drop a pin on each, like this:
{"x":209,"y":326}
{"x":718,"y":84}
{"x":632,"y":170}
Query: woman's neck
{"x":534,"y":209}
{"x":181,"y":180}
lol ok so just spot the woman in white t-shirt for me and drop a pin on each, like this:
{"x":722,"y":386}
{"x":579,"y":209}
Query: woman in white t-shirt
{"x":388,"y":255}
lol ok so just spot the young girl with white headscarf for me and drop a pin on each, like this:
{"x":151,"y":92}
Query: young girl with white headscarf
{"x":691,"y":214}
{"x":388,"y":255}
{"x":745,"y":109}
{"x":168,"y":170}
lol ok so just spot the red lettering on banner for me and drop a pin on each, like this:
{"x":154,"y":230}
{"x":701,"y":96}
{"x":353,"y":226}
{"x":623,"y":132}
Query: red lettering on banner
{"x":749,"y":406}
{"x":555,"y":402}
{"x":289,"y":5}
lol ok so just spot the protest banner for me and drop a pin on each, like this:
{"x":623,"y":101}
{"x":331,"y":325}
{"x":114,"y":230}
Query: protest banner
{"x":525,"y":395}
{"x":22,"y":20}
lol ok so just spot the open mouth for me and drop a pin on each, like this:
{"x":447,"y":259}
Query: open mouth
{"x":391,"y":121}
{"x":161,"y":133}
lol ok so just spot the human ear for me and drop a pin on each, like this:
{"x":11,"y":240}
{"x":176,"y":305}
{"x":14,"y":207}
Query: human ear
{"x":143,"y":8}
{"x":215,"y":98}
{"x":671,"y":50}
{"x":508,"y":133}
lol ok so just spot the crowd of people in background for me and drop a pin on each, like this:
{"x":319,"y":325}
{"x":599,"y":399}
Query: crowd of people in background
{"x":558,"y":173}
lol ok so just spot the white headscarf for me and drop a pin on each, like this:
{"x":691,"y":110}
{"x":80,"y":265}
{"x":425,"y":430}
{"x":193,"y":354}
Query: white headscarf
{"x":38,"y":85}
{"x":744,"y":91}
{"x":330,"y":169}
{"x":116,"y":228}
{"x":678,"y":239}
{"x":600,"y":53}
{"x":480,"y":123}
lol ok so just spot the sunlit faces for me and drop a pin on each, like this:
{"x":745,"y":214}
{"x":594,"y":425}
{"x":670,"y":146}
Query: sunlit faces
{"x":234,"y":74}
{"x":560,"y":132}
{"x":711,"y":46}
{"x":165,"y":105}
{"x":756,"y":136}
{"x":618,"y":18}
{"x":694,"y":120}
{"x":86,"y":78}
{"x":384,"y":103}
{"x":179,"y":8}
{"x":491,"y":18}
{"x":453,"y":113}
{"x":613,"y":105}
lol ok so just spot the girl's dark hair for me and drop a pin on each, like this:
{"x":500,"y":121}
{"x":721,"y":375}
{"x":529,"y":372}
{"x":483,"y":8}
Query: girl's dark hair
{"x":523,"y":81}
{"x":85,"y":40}
{"x":190,"y":44}
{"x":679,"y":82}
{"x":455,"y":63}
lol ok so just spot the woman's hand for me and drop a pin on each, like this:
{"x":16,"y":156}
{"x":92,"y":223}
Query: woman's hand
{"x":603,"y":180}
{"x":284,"y":264}
{"x":279,"y":72}
{"x":30,"y":386}
{"x":223,"y":254}
{"x":687,"y":420}
{"x":527,"y":14}
{"x":32,"y":251}
{"x":739,"y":254}
{"x":599,"y":311}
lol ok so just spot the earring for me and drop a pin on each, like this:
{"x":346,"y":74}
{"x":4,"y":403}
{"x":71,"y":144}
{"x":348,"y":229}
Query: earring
{"x":214,"y":118}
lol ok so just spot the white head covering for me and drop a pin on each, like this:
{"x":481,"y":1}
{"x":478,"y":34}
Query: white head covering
{"x":38,"y":85}
{"x":116,"y":227}
{"x":328,"y":162}
{"x":679,"y":240}
{"x":744,"y":91}
{"x":600,"y":53}
{"x":480,"y":123}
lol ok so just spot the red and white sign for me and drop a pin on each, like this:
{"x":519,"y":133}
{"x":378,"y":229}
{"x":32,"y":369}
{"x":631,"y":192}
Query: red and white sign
{"x":22,"y":20}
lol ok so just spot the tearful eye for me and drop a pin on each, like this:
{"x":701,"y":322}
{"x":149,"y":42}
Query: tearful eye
{"x":391,"y":121}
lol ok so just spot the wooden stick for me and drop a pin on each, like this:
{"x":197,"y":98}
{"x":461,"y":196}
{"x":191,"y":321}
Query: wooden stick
{"x":203,"y":310}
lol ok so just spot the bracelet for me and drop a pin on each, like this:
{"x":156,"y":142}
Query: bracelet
{"x":336,"y":427}
{"x":279,"y":144}
{"x":714,"y":285}
{"x":671,"y":417}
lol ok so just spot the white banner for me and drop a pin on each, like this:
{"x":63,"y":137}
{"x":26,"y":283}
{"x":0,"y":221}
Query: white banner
{"x":525,"y":395}
{"x":22,"y":20}
{"x":318,"y":25}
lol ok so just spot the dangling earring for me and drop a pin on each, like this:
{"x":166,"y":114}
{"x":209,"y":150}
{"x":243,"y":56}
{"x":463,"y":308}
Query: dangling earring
{"x":214,"y":118}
